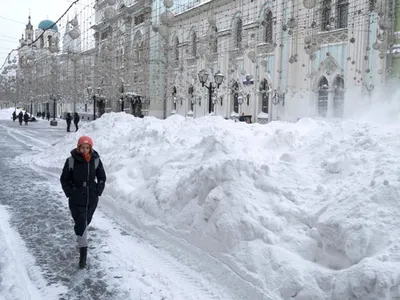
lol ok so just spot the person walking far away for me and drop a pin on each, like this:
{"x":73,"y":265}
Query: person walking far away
{"x":78,"y":180}
{"x":20,"y":117}
{"x":26,"y":118}
{"x":76,"y":120}
{"x":69,"y":120}
{"x":14,"y":116}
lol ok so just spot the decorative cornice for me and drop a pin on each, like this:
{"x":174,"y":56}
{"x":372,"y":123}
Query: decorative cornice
{"x":201,"y":8}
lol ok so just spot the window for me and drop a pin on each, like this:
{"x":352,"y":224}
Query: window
{"x":104,"y":35}
{"x":264,"y":94}
{"x":326,"y":14}
{"x":139,"y":19}
{"x":268,"y":27}
{"x":342,"y":11}
{"x":238,"y":33}
{"x":176,"y":49}
{"x":215,"y":39}
{"x":338,"y":97}
{"x":137,"y":40}
{"x":323,"y":97}
{"x":194,"y":44}
{"x":372,"y":5}
{"x":190,"y":92}
{"x":139,"y":51}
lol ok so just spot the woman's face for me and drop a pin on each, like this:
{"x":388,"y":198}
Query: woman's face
{"x":84,"y":148}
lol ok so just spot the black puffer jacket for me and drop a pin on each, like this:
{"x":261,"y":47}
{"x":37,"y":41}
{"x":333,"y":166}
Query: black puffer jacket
{"x":84,"y":184}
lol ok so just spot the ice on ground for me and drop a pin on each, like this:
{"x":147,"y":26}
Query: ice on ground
{"x":305,"y":210}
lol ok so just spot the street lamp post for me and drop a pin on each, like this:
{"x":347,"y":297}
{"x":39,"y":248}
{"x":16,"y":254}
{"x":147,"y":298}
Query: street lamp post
{"x":54,"y":98}
{"x":121,"y":99}
{"x":94,"y":98}
{"x":94,"y":107}
{"x":218,"y":78}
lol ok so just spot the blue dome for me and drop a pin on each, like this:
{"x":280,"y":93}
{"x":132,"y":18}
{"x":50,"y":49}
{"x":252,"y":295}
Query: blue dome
{"x":45,"y":24}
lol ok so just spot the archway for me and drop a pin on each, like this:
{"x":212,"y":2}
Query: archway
{"x":136,"y":106}
{"x":323,"y":87}
{"x":338,"y":97}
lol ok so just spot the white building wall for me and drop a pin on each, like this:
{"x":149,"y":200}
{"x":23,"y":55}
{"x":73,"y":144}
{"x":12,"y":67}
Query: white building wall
{"x":340,"y":52}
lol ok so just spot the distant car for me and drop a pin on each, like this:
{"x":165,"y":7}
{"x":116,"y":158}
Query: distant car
{"x":32,"y":119}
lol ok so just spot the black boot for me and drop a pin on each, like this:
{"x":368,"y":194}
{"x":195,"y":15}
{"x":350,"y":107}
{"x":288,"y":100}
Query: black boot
{"x":82,"y":257}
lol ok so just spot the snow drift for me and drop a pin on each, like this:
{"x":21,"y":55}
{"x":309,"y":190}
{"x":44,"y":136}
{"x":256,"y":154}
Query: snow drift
{"x":305,"y":210}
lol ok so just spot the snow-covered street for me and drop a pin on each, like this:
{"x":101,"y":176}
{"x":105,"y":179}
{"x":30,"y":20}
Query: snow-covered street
{"x":207,"y":209}
{"x":38,"y":255}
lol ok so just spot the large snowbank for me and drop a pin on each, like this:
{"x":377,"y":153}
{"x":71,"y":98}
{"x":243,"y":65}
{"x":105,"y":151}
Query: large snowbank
{"x":305,"y":210}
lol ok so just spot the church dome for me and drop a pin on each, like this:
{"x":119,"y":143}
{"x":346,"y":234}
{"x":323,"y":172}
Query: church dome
{"x":45,"y":24}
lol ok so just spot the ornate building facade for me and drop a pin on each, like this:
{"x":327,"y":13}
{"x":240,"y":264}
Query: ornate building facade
{"x":279,"y":59}
{"x":34,"y":74}
{"x":122,"y":37}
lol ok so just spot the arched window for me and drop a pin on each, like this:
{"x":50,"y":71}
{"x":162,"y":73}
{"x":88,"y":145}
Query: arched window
{"x":323,"y":97}
{"x":326,"y":15}
{"x":338,"y":97}
{"x":141,"y":51}
{"x":176,"y":49}
{"x":214,"y":42}
{"x":238,"y":31}
{"x":342,"y":8}
{"x":269,"y":25}
{"x":137,"y":40}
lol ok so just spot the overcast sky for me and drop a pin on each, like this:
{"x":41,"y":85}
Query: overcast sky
{"x":14,"y":17}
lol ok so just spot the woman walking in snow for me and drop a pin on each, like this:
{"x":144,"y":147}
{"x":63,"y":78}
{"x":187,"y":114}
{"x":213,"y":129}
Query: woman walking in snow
{"x":83,"y":180}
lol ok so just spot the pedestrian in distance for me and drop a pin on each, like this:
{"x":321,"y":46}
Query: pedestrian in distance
{"x":76,"y":121}
{"x":83,"y":180}
{"x":26,"y":118}
{"x":69,"y":120}
{"x":20,"y":117}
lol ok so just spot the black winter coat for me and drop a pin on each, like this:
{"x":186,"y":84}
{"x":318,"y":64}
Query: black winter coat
{"x":80,"y":184}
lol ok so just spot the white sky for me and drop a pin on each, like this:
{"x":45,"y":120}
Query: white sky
{"x":14,"y":17}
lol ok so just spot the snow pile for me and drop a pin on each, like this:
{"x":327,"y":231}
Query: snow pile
{"x":6,"y":114}
{"x":305,"y":210}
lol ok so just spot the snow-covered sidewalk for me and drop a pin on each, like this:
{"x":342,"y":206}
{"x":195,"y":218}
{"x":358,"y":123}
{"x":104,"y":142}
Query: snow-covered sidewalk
{"x":20,"y":278}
